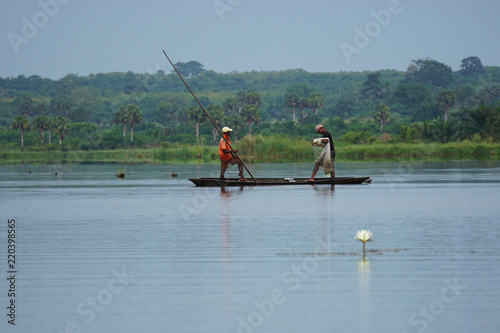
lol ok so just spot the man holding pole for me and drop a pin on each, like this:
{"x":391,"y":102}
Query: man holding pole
{"x":225,"y":154}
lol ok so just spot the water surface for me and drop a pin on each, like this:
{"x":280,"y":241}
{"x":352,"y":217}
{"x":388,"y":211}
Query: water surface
{"x":151,"y":253}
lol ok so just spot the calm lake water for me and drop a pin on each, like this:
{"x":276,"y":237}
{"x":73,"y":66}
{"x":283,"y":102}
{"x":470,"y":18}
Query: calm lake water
{"x":151,"y":253}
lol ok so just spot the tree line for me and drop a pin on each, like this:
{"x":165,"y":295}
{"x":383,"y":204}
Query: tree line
{"x":428,"y":102}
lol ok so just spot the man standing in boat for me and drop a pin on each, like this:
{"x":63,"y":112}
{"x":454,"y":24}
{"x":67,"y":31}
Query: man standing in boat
{"x":327,"y":138}
{"x":225,"y":154}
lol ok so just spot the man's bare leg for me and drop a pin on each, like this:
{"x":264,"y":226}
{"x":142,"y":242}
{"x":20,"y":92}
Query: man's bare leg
{"x":240,"y":169}
{"x":315,"y":170}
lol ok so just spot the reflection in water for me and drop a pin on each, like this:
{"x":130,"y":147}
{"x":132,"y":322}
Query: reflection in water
{"x":325,"y":190}
{"x":225,"y":253}
{"x":225,"y":228}
{"x":364,"y":292}
{"x":324,"y":231}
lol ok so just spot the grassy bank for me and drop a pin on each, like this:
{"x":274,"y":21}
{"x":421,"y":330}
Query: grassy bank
{"x":177,"y":155}
{"x":263,"y":150}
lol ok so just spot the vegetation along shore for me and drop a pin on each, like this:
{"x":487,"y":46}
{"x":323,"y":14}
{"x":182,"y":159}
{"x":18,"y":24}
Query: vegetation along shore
{"x":255,"y":150}
{"x":428,"y":111}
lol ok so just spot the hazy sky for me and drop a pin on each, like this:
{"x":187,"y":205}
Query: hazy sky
{"x":52,"y":38}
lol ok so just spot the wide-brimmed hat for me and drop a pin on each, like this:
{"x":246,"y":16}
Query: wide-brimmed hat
{"x":318,"y":127}
{"x":226,"y":129}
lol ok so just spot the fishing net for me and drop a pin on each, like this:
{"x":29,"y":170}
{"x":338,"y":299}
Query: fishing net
{"x":323,"y":154}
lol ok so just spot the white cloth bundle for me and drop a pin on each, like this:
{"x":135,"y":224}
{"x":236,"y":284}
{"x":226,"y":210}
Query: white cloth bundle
{"x":324,"y":156}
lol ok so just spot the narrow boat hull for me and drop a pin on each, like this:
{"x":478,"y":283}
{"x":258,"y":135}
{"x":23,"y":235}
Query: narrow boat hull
{"x":217,"y":182}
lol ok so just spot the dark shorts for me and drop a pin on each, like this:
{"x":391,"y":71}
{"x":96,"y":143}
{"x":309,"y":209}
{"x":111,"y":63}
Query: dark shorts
{"x":225,"y":164}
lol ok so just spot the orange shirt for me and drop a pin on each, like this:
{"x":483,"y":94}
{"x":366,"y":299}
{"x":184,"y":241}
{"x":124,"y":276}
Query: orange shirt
{"x":224,"y":144}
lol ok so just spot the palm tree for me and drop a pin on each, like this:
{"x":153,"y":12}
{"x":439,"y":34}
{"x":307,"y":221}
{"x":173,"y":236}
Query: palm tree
{"x":251,"y":114}
{"x":230,"y":105}
{"x":253,"y":97}
{"x":240,"y":97}
{"x":315,"y":102}
{"x":236,"y":121}
{"x":445,"y":100}
{"x":121,"y":117}
{"x":61,"y":128}
{"x":381,"y":115}
{"x":217,"y":114}
{"x":51,"y":126}
{"x":41,"y":123}
{"x":135,"y":117}
{"x":195,"y":113}
{"x":21,"y":123}
{"x":292,"y":100}
{"x":303,"y":103}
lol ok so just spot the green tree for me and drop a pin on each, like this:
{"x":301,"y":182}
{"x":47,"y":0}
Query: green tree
{"x":162,"y":111}
{"x":411,"y":95}
{"x":446,"y":100}
{"x":488,"y":95}
{"x":40,"y":108}
{"x":41,"y":123}
{"x":253,"y":97}
{"x":443,"y":131}
{"x":189,"y":69}
{"x":134,"y":115}
{"x":408,"y":134}
{"x":301,"y":89}
{"x":425,"y":130}
{"x":195,"y":113}
{"x":430,"y":73}
{"x":251,"y":114}
{"x":241,"y":97}
{"x":292,"y":101}
{"x":62,"y":127}
{"x":465,"y":95}
{"x":373,"y":89}
{"x":22,"y":124}
{"x":217,"y":114}
{"x":381,"y":115}
{"x":121,"y":117}
{"x":68,"y":83}
{"x":60,"y":106}
{"x":315,"y":101}
{"x":51,"y":126}
{"x":236,"y":121}
{"x":471,"y":66}
{"x":485,"y":120}
{"x":230,"y":104}
{"x":26,"y":107}
{"x":303,"y":103}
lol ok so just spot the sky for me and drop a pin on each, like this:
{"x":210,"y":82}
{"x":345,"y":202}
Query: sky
{"x":53,"y":38}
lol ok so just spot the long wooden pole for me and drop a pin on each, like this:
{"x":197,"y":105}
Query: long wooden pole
{"x":210,"y":118}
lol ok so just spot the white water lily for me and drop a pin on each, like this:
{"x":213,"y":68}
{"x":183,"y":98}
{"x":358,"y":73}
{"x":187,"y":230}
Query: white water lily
{"x":364,"y":236}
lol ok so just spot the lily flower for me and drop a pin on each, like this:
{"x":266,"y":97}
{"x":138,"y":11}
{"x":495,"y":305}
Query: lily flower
{"x":364,"y":236}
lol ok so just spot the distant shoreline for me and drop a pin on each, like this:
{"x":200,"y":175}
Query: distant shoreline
{"x":190,"y":154}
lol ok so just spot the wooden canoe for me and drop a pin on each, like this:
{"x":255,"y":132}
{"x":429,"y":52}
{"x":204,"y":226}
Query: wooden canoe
{"x":214,"y":182}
